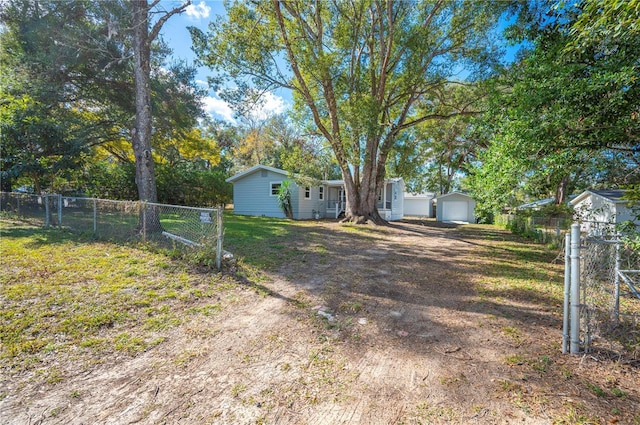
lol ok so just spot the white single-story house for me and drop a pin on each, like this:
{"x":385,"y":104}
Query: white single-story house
{"x":419,"y":204}
{"x":455,"y":207}
{"x":593,"y":208}
{"x":255,"y":193}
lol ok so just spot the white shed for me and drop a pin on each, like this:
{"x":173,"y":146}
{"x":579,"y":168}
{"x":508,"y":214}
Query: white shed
{"x":418,"y":204}
{"x":455,"y":207}
{"x":601,"y":207}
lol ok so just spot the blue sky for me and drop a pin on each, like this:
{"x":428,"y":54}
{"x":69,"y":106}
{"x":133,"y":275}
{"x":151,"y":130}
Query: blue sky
{"x":175,"y":33}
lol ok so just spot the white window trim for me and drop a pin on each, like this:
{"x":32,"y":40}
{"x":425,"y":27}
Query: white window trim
{"x":271,"y":187}
{"x":307,"y":190}
{"x":321,"y":193}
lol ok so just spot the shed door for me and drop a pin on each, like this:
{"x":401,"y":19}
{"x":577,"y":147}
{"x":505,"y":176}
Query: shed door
{"x":454,"y":211}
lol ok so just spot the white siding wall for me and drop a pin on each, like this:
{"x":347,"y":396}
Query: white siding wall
{"x":252,"y":194}
{"x":306,"y":206}
{"x":599,"y":209}
{"x":595,"y":208}
{"x":419,"y":206}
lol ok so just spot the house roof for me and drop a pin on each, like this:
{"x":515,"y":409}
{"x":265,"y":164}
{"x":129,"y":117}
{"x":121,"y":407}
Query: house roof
{"x":253,"y":170}
{"x":259,"y":167}
{"x":612,"y":195}
{"x":333,"y":182}
{"x":537,"y":203}
{"x":426,"y":195}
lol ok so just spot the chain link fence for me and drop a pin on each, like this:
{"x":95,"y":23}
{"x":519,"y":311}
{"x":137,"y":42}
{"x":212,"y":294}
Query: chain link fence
{"x":166,"y":225}
{"x":609,"y":285}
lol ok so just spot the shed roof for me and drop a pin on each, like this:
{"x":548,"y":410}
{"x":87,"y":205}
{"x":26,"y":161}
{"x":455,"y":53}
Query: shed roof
{"x":612,"y":195}
{"x":453,"y":193}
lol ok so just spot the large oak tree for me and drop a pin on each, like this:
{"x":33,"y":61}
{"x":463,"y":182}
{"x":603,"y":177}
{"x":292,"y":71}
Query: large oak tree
{"x":360,"y":68}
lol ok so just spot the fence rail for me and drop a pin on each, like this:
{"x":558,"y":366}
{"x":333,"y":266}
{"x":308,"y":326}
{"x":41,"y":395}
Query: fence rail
{"x":199,"y":228}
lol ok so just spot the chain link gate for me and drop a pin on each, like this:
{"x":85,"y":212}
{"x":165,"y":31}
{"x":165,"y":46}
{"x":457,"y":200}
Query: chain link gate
{"x":603,"y":273}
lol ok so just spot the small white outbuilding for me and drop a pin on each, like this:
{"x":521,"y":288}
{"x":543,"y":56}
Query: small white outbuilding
{"x":455,"y":207}
{"x":597,"y":207}
{"x":418,"y":204}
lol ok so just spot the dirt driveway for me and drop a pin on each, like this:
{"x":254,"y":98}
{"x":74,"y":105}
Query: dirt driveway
{"x":414,"y":323}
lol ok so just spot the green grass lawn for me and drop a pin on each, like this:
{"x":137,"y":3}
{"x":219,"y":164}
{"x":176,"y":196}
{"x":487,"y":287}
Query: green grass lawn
{"x":63,"y":294}
{"x":61,"y":291}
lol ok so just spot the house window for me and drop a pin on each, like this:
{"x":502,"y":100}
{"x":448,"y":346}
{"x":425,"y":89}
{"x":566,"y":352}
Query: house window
{"x":275,"y":188}
{"x":307,"y":192}
{"x":321,"y":193}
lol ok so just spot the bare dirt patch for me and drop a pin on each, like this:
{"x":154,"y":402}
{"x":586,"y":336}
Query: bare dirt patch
{"x":421,"y":323}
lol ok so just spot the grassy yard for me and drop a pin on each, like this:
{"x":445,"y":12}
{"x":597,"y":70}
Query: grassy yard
{"x":64,"y":296}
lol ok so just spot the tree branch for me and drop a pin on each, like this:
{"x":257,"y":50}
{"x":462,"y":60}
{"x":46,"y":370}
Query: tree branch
{"x":158,"y":25}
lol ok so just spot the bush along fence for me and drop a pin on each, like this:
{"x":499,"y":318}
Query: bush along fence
{"x":601,"y":293}
{"x":179,"y":226}
{"x":547,"y":230}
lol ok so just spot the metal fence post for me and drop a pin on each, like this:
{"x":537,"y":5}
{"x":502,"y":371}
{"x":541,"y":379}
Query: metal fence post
{"x":59,"y":210}
{"x":575,"y":289}
{"x":220,"y":233}
{"x":47,"y":220}
{"x":567,"y":286}
{"x":95,"y":218}
{"x":143,"y":210}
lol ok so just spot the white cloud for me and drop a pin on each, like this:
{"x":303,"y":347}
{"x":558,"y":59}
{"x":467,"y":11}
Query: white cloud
{"x":215,"y":106}
{"x":199,"y":11}
{"x":272,"y":105}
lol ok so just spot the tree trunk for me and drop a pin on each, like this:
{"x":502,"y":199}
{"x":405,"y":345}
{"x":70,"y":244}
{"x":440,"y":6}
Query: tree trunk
{"x":141,"y":133}
{"x":561,"y":190}
{"x":362,"y":198}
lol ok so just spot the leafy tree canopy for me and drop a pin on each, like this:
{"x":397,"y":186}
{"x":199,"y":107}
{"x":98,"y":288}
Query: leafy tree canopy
{"x":359,"y":69}
{"x":569,"y":105}
{"x":66,"y":73}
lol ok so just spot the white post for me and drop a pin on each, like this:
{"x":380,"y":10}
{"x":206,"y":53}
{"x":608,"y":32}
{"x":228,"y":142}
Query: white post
{"x":567,"y":286}
{"x":575,"y":289}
